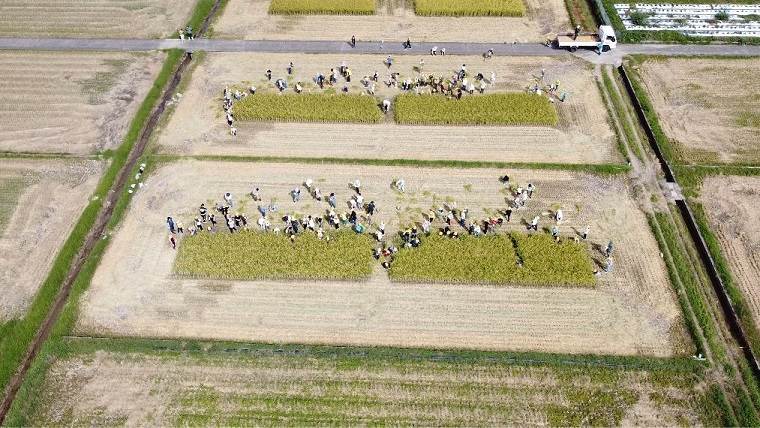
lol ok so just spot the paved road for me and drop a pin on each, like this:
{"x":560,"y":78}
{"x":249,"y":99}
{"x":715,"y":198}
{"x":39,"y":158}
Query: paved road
{"x":361,"y":48}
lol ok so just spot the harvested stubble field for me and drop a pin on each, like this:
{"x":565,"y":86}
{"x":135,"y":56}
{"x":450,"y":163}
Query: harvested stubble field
{"x":71,"y":102}
{"x":731,"y":203}
{"x":253,"y":255}
{"x":469,"y":8}
{"x":322,"y":7}
{"x":631,"y":311}
{"x":710,"y":108}
{"x":394,"y":20}
{"x":98,"y":18}
{"x":494,"y":260}
{"x":39,"y":203}
{"x":304,"y":386}
{"x":309,"y":108}
{"x":197,"y":125}
{"x":517,"y":108}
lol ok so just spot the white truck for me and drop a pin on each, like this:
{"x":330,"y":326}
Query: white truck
{"x":603,"y":39}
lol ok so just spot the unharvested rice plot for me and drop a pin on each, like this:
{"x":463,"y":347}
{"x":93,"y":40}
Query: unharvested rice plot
{"x":252,"y":255}
{"x":394,"y":20}
{"x":265,"y":388}
{"x":309,"y":108}
{"x":197,"y":125}
{"x":494,"y":109}
{"x":630,"y":311}
{"x":709,"y":107}
{"x":469,"y":8}
{"x":731,"y":206}
{"x":494,"y":259}
{"x":94,"y":18}
{"x":322,"y":7}
{"x":71,"y":102}
{"x":39,"y":203}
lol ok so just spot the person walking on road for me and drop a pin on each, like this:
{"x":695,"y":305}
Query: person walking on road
{"x":353,"y":41}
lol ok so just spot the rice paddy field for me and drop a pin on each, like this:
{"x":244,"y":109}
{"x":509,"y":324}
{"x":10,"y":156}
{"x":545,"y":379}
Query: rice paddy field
{"x":226,"y":384}
{"x":70,"y":102}
{"x":98,"y":18}
{"x":308,"y":108}
{"x":470,"y":8}
{"x":322,"y":7}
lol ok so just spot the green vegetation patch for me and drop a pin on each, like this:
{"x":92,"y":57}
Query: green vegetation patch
{"x":469,"y":7}
{"x":10,"y":191}
{"x":494,"y":109}
{"x":255,"y":255}
{"x":495,"y":259}
{"x":322,"y":7}
{"x":308,"y":108}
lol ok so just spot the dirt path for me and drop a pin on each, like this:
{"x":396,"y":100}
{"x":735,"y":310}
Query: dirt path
{"x":53,"y":195}
{"x":631,"y":311}
{"x":197,"y":125}
{"x":395,"y":20}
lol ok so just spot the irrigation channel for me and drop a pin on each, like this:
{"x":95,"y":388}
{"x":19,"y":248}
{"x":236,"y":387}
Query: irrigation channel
{"x":97,"y":231}
{"x":737,"y":331}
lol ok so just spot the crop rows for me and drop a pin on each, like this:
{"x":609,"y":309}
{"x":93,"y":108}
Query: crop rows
{"x":496,"y":259}
{"x":322,"y":7}
{"x":309,"y":108}
{"x":469,"y":8}
{"x":10,"y":190}
{"x":495,"y":109}
{"x":254,"y":255}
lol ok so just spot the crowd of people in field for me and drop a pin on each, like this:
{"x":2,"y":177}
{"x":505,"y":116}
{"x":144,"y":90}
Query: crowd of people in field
{"x":359,"y":214}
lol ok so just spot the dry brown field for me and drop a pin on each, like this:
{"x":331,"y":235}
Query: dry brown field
{"x":46,"y":201}
{"x":583,"y":136}
{"x":709,"y":107}
{"x":731,"y":205}
{"x":630,"y":311}
{"x":98,"y":18}
{"x":70,"y":102}
{"x":394,"y":21}
{"x":265,"y":388}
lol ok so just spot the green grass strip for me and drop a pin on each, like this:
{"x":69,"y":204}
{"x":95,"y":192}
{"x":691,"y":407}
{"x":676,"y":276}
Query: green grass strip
{"x":322,"y":7}
{"x":255,"y":255}
{"x":494,"y":109}
{"x":469,"y":7}
{"x":492,"y":259}
{"x":622,"y":113}
{"x":309,"y":108}
{"x":15,"y":341}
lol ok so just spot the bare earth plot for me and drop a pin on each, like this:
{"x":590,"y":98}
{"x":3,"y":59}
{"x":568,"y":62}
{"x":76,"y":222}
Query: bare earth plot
{"x":197,"y":125}
{"x":631,"y":311}
{"x":265,"y":388}
{"x":70,"y":102}
{"x":395,"y":21}
{"x":709,"y":107}
{"x":731,"y":206}
{"x":42,"y":200}
{"x":93,"y":18}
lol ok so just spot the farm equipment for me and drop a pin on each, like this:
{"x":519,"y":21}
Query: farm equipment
{"x":603,"y":40}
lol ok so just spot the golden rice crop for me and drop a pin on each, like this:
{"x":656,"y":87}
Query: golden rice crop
{"x":308,"y":108}
{"x":469,"y":7}
{"x":495,"y":109}
{"x":255,"y":255}
{"x":322,"y":7}
{"x":493,"y":259}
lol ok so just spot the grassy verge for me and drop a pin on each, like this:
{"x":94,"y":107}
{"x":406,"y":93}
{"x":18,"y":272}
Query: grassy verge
{"x":581,"y":13}
{"x":619,"y":105}
{"x":309,"y":108}
{"x":322,"y":7}
{"x":255,"y":255}
{"x":469,"y":8}
{"x":589,"y":388}
{"x":495,"y":109}
{"x":600,"y":169}
{"x":495,"y":259}
{"x":13,"y":345}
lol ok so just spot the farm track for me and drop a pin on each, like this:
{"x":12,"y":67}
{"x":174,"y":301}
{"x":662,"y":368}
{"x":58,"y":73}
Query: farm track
{"x":99,"y":228}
